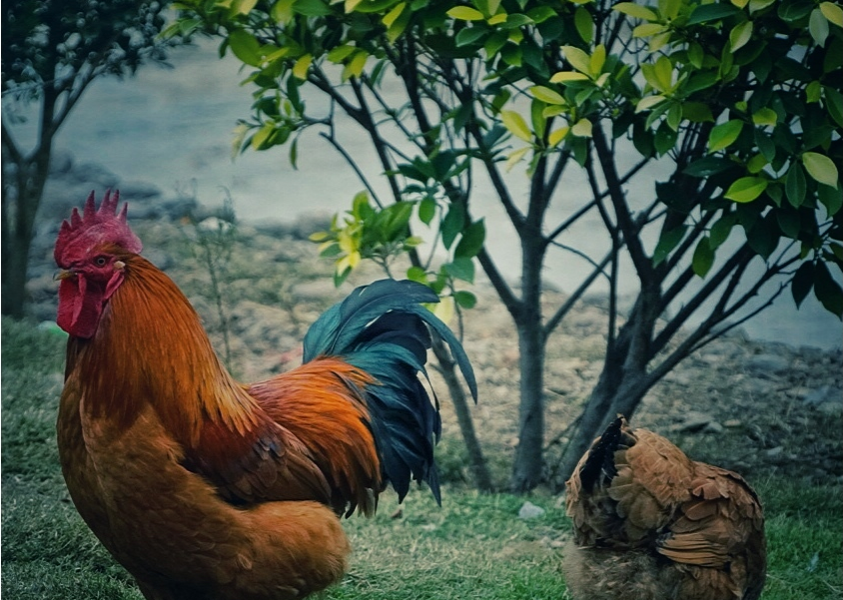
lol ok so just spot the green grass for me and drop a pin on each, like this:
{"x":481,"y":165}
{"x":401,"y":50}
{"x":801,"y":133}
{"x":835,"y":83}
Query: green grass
{"x":473,"y":547}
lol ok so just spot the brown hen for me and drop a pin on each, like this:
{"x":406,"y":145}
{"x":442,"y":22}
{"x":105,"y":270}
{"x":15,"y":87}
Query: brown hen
{"x":651,"y":524}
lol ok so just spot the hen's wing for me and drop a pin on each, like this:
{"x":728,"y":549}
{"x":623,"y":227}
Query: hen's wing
{"x":721,"y":527}
{"x":627,"y":487}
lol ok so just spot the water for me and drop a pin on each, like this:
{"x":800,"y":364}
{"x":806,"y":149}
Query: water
{"x":174,"y":128}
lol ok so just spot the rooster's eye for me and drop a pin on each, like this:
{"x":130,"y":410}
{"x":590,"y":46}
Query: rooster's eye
{"x":100,"y":261}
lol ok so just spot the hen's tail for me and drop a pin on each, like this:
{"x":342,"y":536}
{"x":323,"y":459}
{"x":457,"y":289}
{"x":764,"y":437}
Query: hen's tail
{"x":383,"y":329}
{"x":600,"y":464}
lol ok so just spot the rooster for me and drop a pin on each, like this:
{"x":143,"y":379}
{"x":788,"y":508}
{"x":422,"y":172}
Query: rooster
{"x":651,"y":524}
{"x":206,"y":488}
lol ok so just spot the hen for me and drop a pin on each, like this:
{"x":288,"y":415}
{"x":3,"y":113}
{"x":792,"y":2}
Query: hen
{"x":651,"y":524}
{"x":203,"y":487}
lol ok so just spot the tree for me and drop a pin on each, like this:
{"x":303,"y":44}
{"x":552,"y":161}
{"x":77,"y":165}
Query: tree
{"x":52,"y":51}
{"x":739,"y":101}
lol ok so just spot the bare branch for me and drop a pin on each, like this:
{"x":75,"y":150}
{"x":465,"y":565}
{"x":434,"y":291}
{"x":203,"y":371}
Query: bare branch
{"x":642,"y":263}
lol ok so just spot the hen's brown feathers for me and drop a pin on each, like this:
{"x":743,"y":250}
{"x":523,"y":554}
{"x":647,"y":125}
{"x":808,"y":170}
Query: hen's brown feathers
{"x":637,"y":502}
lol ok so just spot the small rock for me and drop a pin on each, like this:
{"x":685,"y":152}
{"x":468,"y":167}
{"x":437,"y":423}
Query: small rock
{"x":529,"y":510}
{"x":732,"y":423}
{"x":773,"y":452}
{"x":214,"y":225}
{"x":695,"y":421}
{"x":137,"y":190}
{"x":713,"y":427}
{"x":824,"y":394}
{"x":827,"y":400}
{"x":766,"y":365}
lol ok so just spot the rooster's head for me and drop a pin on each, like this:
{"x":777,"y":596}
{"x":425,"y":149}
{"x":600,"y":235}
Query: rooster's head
{"x":90,"y":250}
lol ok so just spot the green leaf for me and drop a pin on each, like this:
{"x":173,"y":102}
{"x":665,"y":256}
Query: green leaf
{"x":245,"y":47}
{"x":696,"y":54}
{"x":582,"y":128}
{"x":566,"y":76}
{"x":636,"y":10}
{"x":465,"y":13}
{"x":795,"y":185}
{"x":313,"y":8}
{"x":740,"y":35}
{"x":724,"y":135}
{"x":584,"y":24}
{"x":827,"y":290}
{"x":789,"y":222}
{"x":708,"y":166}
{"x":665,"y":138}
{"x":494,"y":43}
{"x":516,"y":125}
{"x":765,"y":117}
{"x":427,"y":210}
{"x":516,"y":20}
{"x":461,"y":268}
{"x":469,"y":35}
{"x":393,"y":14}
{"x":832,"y":198}
{"x":794,"y":10}
{"x":721,"y":229}
{"x":597,"y":60}
{"x":818,"y":26}
{"x":803,"y":282}
{"x":664,"y":73}
{"x":578,"y":59}
{"x":557,"y":135}
{"x":669,"y":9}
{"x":704,"y":13}
{"x":756,"y":5}
{"x":261,"y":137}
{"x":746,"y":189}
{"x":821,"y":168}
{"x":763,"y":237}
{"x":703,"y":258}
{"x":756,"y":164}
{"x":765,"y":144}
{"x":834,"y":104}
{"x":832,"y":12}
{"x":649,"y":102}
{"x":667,"y":242}
{"x":453,"y":223}
{"x":340,"y":53}
{"x":648,"y":30}
{"x":515,"y":157}
{"x":697,"y":112}
{"x":472,"y":240}
{"x":302,"y":66}
{"x":465,"y":299}
{"x":356,"y":65}
{"x":547,"y":95}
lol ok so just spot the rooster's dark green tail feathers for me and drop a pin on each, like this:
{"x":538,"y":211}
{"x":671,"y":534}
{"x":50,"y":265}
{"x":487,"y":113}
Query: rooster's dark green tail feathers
{"x":383,"y":329}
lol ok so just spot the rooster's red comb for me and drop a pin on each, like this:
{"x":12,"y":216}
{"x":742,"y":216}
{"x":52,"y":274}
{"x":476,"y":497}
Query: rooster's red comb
{"x":95,"y":227}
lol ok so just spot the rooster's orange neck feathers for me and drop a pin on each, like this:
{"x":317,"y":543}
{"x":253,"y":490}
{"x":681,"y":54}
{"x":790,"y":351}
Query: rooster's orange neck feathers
{"x":151,"y":335}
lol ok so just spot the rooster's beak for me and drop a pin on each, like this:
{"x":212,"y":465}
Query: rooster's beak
{"x":63,"y":274}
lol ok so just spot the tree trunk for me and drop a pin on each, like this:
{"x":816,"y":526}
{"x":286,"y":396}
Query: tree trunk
{"x":479,"y":466}
{"x":529,"y":460}
{"x":620,"y":388}
{"x":18,"y":226}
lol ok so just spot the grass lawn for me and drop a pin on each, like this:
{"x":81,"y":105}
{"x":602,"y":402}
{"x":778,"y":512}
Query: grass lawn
{"x":474,"y":546}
